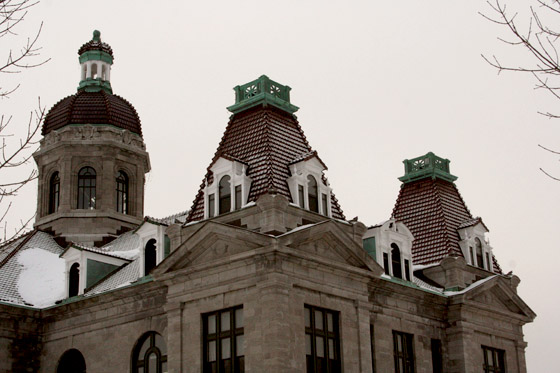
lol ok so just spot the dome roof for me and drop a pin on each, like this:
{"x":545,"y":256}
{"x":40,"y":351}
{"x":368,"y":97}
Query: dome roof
{"x":96,"y":45}
{"x":93,"y":108}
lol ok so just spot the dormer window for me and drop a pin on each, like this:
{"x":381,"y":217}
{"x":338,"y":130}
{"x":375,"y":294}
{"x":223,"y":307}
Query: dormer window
{"x":396,"y":260}
{"x":390,"y":244}
{"x":229,"y":189}
{"x":307,"y":187}
{"x":74,"y":280}
{"x":150,"y":256}
{"x":225,"y":194}
{"x":478,"y":248}
{"x":312,"y":194}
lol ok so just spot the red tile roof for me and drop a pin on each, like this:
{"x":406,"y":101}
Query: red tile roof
{"x":267,"y":140}
{"x":433,"y":210}
{"x":93,"y":108}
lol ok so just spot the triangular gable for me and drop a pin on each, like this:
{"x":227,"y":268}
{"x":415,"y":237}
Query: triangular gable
{"x":496,"y":294}
{"x":212,"y":241}
{"x":328,"y":240}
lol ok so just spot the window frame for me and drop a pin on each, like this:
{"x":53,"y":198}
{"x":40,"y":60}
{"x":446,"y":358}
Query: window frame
{"x":87,"y":185}
{"x":54,"y":192}
{"x":237,"y":363}
{"x":224,"y":195}
{"x":123,"y":182}
{"x":405,"y":355}
{"x":498,"y":360}
{"x":313,"y":362}
{"x":140,"y":362}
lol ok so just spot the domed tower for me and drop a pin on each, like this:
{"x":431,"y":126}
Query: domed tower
{"x":92,"y":158}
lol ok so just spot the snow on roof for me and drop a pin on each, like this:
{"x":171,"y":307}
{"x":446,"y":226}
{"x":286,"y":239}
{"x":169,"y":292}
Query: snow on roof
{"x":11,"y":269}
{"x":41,"y":281}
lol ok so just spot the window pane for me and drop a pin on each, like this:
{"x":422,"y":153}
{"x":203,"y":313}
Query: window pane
{"x":211,"y":324}
{"x":212,"y":351}
{"x":224,"y":324}
{"x":164,"y":367}
{"x":318,"y":320}
{"x":226,"y":348}
{"x":325,"y":205}
{"x":239,"y":348}
{"x":144,"y":348}
{"x":330,"y":326}
{"x":238,"y":197}
{"x":141,"y":370}
{"x":308,"y":344}
{"x":301,"y":196}
{"x":239,"y":318}
{"x":152,"y":363}
{"x":307,"y":317}
{"x":331,"y":349}
{"x":320,"y":346}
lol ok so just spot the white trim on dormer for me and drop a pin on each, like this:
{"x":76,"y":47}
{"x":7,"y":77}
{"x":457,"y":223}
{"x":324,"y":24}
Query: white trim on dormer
{"x":237,"y":171}
{"x":467,"y":244}
{"x":299,"y":172}
{"x":386,"y":234}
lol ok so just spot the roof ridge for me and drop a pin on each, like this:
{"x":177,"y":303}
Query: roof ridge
{"x":18,"y":247}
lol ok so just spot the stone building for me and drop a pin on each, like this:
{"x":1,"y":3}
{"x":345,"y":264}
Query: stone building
{"x":262,"y":274}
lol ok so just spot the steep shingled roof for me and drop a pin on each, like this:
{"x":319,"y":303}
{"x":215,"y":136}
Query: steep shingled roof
{"x":267,"y":139}
{"x":432,"y":209}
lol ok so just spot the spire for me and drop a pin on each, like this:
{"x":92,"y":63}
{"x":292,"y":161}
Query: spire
{"x":95,"y":59}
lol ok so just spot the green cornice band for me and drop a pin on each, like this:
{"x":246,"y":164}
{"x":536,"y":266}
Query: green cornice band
{"x":96,"y":56}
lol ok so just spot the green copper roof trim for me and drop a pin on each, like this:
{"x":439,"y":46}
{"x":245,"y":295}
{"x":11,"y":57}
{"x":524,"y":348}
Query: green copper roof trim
{"x":96,"y":56}
{"x":95,"y":85}
{"x":262,"y":91}
{"x":426,"y":166}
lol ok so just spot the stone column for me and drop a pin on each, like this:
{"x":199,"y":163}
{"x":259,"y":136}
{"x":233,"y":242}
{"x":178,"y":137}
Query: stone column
{"x":174,"y":337}
{"x":364,"y":339}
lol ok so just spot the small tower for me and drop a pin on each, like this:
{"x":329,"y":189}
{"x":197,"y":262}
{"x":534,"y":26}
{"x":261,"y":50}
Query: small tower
{"x":92,"y":158}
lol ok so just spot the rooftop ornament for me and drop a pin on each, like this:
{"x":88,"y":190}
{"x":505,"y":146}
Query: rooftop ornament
{"x":429,"y":165}
{"x":262,"y":91}
{"x":95,"y":59}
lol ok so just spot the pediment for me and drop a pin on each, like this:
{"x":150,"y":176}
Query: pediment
{"x":328,"y":241}
{"x":496,"y":294}
{"x":212,"y":242}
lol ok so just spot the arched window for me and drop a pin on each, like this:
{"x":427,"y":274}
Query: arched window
{"x":54,"y":193}
{"x":150,"y":354}
{"x":149,"y":256}
{"x":312,"y":194}
{"x":84,"y":72}
{"x":122,"y":192}
{"x":72,"y":361}
{"x":396,"y":260}
{"x":94,"y":71}
{"x":74,"y":280}
{"x":86,"y":188}
{"x":225,"y":194}
{"x":103,"y":73}
{"x":478,"y":246}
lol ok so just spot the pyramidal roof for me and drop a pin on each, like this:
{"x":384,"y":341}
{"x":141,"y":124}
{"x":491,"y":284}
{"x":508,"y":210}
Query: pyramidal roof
{"x":263,"y":134}
{"x":432,"y":208}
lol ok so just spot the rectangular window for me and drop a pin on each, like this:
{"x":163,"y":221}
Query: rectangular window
{"x":437,"y":359}
{"x":301,"y":196}
{"x":211,"y":206}
{"x":322,"y":341}
{"x":488,"y":264}
{"x":407,"y":270}
{"x":472,"y":255}
{"x":238,"y":197}
{"x":403,"y":352}
{"x":223,"y":341}
{"x":386,"y":263}
{"x":494,"y":360}
{"x":325,"y":204}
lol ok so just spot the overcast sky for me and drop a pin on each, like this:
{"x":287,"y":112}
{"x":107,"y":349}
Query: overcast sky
{"x":376,"y":82}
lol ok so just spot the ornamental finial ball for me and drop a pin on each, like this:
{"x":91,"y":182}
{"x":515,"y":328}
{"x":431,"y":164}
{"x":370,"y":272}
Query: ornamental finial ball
{"x":96,"y":35}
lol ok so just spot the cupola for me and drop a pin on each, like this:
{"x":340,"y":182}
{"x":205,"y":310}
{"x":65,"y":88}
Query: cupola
{"x":96,"y":59}
{"x":92,"y":159}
